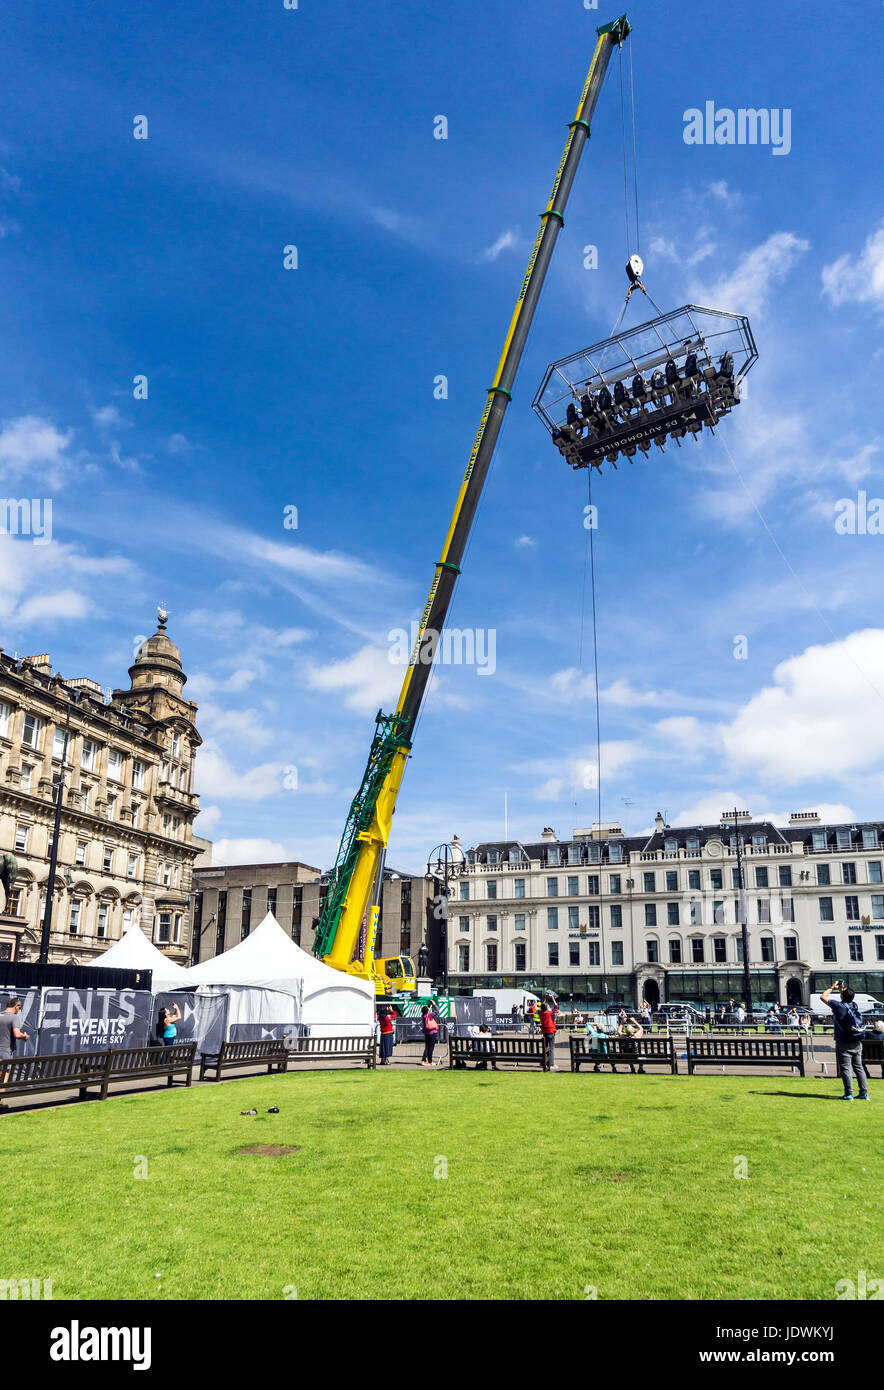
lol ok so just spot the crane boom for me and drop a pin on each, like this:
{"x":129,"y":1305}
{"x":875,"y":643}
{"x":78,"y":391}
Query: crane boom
{"x":355,"y":881}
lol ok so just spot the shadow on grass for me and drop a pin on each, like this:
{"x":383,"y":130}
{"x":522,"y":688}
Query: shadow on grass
{"x":794,"y":1095}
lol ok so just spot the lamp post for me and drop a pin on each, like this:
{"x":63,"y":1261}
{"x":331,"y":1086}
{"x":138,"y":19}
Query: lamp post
{"x":630,"y":884}
{"x":442,"y":865}
{"x":747,"y":982}
{"x":43,"y":958}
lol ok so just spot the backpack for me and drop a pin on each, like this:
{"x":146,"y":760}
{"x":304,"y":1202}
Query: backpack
{"x":852,"y":1025}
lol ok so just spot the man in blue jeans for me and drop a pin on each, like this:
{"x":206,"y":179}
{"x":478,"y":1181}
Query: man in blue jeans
{"x":849,"y":1029}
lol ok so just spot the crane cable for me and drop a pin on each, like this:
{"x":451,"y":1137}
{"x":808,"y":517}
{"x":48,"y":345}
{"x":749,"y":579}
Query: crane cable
{"x":589,"y":553}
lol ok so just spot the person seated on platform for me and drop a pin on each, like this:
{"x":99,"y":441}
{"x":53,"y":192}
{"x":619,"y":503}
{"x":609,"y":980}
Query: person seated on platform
{"x":598,"y":1043}
{"x":484,"y":1046}
{"x":631,"y":1031}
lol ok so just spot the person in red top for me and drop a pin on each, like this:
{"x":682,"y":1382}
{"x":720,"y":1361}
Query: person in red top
{"x":388,"y":1036}
{"x":548,"y":1029}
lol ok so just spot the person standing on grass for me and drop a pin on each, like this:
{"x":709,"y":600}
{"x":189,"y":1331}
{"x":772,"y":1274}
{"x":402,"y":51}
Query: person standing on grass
{"x":388,"y":1036}
{"x":849,"y":1030}
{"x":548,"y":1031}
{"x":10,"y":1033}
{"x":430,"y":1021}
{"x":532,"y":1019}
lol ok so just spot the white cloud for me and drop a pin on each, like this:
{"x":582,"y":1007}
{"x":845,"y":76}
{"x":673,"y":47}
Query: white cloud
{"x":247,"y":726}
{"x":620,"y":692}
{"x":747,"y":289}
{"x":30,"y":442}
{"x":720,"y":191}
{"x":206,"y":820}
{"x":108,"y":417}
{"x":571,"y":684}
{"x":250,"y":851}
{"x":178,"y":444}
{"x":858,"y":279}
{"x":216,"y":778}
{"x":504,"y":242}
{"x":527,"y":542}
{"x":48,"y":608}
{"x":368,"y":679}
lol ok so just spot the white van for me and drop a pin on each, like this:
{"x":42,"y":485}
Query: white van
{"x":866,"y":1003}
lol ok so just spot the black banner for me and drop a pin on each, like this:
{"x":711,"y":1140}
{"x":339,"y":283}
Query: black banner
{"x":78,"y":1020}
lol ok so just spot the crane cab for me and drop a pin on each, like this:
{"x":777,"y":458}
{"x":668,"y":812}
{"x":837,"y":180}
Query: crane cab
{"x":397,"y":973}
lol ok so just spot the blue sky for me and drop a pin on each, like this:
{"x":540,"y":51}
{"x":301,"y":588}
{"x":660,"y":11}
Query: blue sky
{"x":313,"y":388}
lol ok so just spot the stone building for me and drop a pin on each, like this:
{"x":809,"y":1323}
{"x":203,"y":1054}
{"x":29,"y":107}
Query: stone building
{"x":603,"y":917}
{"x":126,"y":845}
{"x":231,"y":899}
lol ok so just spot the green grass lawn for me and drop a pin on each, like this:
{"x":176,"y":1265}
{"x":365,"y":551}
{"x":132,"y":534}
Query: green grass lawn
{"x":554,"y":1182}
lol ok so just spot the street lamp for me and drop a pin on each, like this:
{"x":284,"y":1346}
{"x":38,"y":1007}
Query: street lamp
{"x":444,"y":865}
{"x":744,"y":925}
{"x":43,"y":958}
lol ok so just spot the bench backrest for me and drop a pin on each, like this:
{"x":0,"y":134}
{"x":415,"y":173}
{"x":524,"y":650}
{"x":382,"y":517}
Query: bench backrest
{"x":65,"y":1068}
{"x":252,"y":1050}
{"x":764,"y":1048}
{"x":125,"y":1061}
{"x":502,"y":1046}
{"x":321,"y":1047}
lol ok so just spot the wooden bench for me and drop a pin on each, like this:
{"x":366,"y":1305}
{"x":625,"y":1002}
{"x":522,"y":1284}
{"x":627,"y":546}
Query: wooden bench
{"x":271,"y":1052}
{"x":745,"y":1052}
{"x":873,"y":1053}
{"x":493,"y":1048}
{"x":353,"y":1049}
{"x":79,"y":1071}
{"x":630,"y":1052}
{"x":130,"y":1063}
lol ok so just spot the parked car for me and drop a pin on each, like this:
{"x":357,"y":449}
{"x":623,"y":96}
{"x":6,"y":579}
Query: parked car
{"x":674,"y":1009}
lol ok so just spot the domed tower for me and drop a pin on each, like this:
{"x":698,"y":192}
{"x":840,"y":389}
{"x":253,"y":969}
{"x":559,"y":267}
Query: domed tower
{"x":157,"y":680}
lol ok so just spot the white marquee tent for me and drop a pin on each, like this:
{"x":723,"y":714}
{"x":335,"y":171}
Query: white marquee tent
{"x":133,"y":951}
{"x":270,"y":980}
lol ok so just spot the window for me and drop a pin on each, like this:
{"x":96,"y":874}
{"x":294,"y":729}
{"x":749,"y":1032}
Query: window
{"x":552,"y":856}
{"x":138,"y":776}
{"x":674,"y":951}
{"x":27,"y":774}
{"x":874,"y":871}
{"x":21,"y":838}
{"x":879,"y":947}
{"x":518,"y":888}
{"x":787,"y":909}
{"x":519,"y":921}
{"x":112,"y":808}
{"x":616,"y":915}
{"x":826,"y":913}
{"x":719,"y":949}
{"x":822,"y":874}
{"x":715,"y":879}
{"x":463,"y":957}
{"x":101,"y":921}
{"x":829,"y":948}
{"x":492,"y":888}
{"x":650,"y":882}
{"x":573,"y":918}
{"x":767,"y":951}
{"x":573,"y":885}
{"x":176,"y":745}
{"x":615,"y":856}
{"x":652,"y":950}
{"x":842,"y":839}
{"x":759,"y":841}
{"x":592,"y":884}
{"x":164,"y":928}
{"x":735,"y":878}
{"x":246,"y":924}
{"x":31,"y":730}
{"x":697,"y":952}
{"x":855,"y":944}
{"x":115,"y":764}
{"x":87,"y":756}
{"x":616,"y":952}
{"x":650,"y":914}
{"x":164,"y":771}
{"x":785,"y":874}
{"x":493,"y":856}
{"x":672,"y":916}
{"x":870,"y":839}
{"x":463,"y":923}
{"x":718,"y":911}
{"x":271,"y":900}
{"x":552,"y":887}
{"x":851,"y":904}
{"x":696,"y":914}
{"x":132,"y":866}
{"x":5,"y":712}
{"x":594,"y":953}
{"x":552,"y":918}
{"x":514,"y":856}
{"x":552,"y":948}
{"x":739,"y":945}
{"x":761,"y":878}
{"x":670,"y":846}
{"x":574,"y":854}
{"x":76,"y":907}
{"x":108,"y":862}
{"x":491,"y":956}
{"x":878,"y":906}
{"x":520,"y":955}
{"x":790,"y":946}
{"x":573,"y":952}
{"x":164,"y":874}
{"x":671,"y":881}
{"x":848,"y":873}
{"x":614,"y":882}
{"x":692,"y":844}
{"x":58,"y":743}
{"x":491,"y":922}
{"x":764,"y":910}
{"x":136,"y":811}
{"x":594,"y":917}
{"x":464,"y":890}
{"x":81,"y":853}
{"x":694,"y":879}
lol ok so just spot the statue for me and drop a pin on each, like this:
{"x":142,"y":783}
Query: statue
{"x":423,"y":959}
{"x":8,"y":871}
